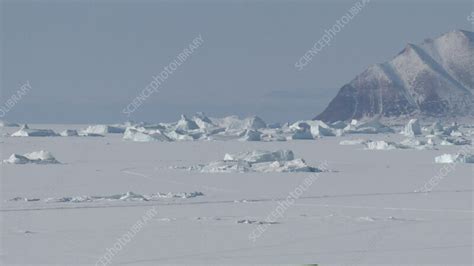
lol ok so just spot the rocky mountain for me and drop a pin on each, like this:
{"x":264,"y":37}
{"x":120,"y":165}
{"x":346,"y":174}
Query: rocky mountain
{"x":434,"y":78}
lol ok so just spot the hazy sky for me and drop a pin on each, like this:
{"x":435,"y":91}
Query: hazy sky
{"x":86,"y":60}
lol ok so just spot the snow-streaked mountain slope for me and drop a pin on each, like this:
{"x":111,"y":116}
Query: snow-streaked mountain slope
{"x":434,"y":78}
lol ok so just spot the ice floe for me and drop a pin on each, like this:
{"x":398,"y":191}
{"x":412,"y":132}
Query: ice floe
{"x":409,"y":143}
{"x":418,"y":144}
{"x":37,"y":157}
{"x":143,"y":135}
{"x":248,"y":221}
{"x":69,"y":133}
{"x":383,"y":145}
{"x":455,"y":141}
{"x":103,"y":129}
{"x":455,"y":158}
{"x":316,"y":128}
{"x":186,"y":124}
{"x":412,"y":128}
{"x":251,"y":135}
{"x":127,"y":196}
{"x":435,"y":129}
{"x":352,"y":142}
{"x":25,"y":131}
{"x":370,"y":127}
{"x":23,"y":199}
{"x":234,"y":123}
{"x":303,"y":133}
{"x":255,"y":161}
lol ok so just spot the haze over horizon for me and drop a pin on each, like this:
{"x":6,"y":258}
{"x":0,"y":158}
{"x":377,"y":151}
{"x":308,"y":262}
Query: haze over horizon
{"x":87,"y":60}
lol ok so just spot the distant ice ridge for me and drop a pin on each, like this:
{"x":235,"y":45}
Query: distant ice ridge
{"x":143,"y":135}
{"x":37,"y":157}
{"x":26,"y":131}
{"x":256,"y":161}
{"x":409,"y":143}
{"x":201,"y":127}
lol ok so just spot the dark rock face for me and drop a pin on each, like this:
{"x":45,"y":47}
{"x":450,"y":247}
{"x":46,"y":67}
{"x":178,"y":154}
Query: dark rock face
{"x":434,"y":78}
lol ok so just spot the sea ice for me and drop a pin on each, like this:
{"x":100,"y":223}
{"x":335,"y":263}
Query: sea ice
{"x":37,"y":157}
{"x":412,"y":128}
{"x":370,"y":127}
{"x":143,"y":135}
{"x":383,"y":145}
{"x":127,"y":196}
{"x":25,"y":131}
{"x":352,"y":142}
{"x":69,"y":133}
{"x":455,"y":158}
{"x":103,"y":129}
{"x":256,"y":161}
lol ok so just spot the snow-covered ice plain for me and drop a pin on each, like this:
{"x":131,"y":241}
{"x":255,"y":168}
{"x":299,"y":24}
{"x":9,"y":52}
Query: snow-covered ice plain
{"x":137,"y":194}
